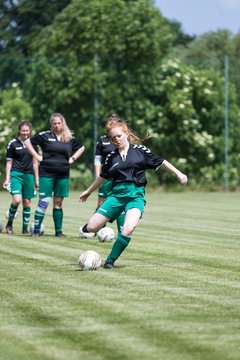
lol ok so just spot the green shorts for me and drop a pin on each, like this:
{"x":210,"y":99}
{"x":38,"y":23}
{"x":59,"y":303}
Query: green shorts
{"x":105,"y":189}
{"x":124,"y":196}
{"x":49,"y":187}
{"x":22,"y":184}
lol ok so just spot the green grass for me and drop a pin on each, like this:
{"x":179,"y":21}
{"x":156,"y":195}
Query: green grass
{"x":174,"y":296}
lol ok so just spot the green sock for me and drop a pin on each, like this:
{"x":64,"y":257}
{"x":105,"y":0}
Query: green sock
{"x":38,"y":219}
{"x":119,"y":246}
{"x":26,"y":217}
{"x":11,"y":213}
{"x":120,"y":222}
{"x":58,"y":219}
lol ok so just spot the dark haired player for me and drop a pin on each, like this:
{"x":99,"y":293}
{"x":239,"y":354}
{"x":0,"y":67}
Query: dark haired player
{"x":21,"y":176}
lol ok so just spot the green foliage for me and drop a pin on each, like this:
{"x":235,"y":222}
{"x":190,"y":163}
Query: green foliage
{"x":89,"y":59}
{"x":110,"y":47}
{"x":80,"y":177}
{"x":13,"y":109}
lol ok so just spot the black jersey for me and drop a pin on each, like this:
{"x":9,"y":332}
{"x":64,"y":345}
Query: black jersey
{"x":55,"y":154}
{"x":139,"y":158}
{"x":21,"y":159}
{"x":103,"y":148}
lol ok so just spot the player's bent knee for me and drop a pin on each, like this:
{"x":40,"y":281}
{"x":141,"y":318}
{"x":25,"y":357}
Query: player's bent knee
{"x":43,"y":204}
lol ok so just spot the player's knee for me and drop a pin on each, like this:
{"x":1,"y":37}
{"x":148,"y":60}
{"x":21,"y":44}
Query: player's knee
{"x":127,"y":230}
{"x":43,"y":204}
{"x":16,"y":202}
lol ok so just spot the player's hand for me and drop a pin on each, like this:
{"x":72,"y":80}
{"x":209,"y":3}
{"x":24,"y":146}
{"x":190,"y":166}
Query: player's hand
{"x":182,"y":178}
{"x":5,"y":184}
{"x":83,"y":196}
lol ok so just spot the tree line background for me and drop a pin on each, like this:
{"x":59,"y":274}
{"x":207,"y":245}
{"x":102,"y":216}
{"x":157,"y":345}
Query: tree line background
{"x":88,"y":59}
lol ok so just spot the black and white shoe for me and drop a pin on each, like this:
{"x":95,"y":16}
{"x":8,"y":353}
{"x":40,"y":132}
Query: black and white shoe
{"x":109,"y":265}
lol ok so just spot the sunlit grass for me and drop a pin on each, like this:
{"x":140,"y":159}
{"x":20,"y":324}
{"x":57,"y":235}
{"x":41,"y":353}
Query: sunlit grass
{"x":175,"y":294}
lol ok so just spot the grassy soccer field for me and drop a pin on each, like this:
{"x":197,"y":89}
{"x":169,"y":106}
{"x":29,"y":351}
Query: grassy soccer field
{"x":174,"y":296}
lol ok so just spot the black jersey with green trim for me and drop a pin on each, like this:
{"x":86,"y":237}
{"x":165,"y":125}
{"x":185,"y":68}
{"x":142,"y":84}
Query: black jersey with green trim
{"x":131,"y":169}
{"x":55,"y":154}
{"x":103,"y":148}
{"x":20,"y":157}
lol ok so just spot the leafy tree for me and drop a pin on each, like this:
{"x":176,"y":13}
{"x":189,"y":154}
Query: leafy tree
{"x":102,"y":49}
{"x":189,"y":124}
{"x":20,"y":22}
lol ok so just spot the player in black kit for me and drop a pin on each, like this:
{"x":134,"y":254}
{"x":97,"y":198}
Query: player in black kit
{"x":126,"y":165}
{"x":21,"y":176}
{"x":59,"y":150}
{"x":103,"y":149}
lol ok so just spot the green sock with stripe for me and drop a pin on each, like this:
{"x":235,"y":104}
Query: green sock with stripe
{"x":26,"y":217}
{"x":11,"y":213}
{"x":119,"y":246}
{"x":38,"y":219}
{"x":58,"y":220}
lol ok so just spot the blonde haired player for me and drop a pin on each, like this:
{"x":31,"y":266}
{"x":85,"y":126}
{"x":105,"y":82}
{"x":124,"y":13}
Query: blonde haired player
{"x":60,"y":149}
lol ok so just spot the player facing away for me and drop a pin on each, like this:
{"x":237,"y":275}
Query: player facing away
{"x":59,"y":150}
{"x":126,"y":166}
{"x":21,"y":176}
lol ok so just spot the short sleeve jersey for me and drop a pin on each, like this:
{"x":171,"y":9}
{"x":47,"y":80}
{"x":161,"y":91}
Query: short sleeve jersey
{"x":103,"y":148}
{"x":21,"y":159}
{"x":132,"y":169}
{"x":56,"y":154}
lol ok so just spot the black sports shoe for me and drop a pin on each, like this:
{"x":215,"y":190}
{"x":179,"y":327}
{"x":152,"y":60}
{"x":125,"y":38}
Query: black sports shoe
{"x":25,"y":231}
{"x":60,"y":234}
{"x":9,"y":229}
{"x":109,"y":264}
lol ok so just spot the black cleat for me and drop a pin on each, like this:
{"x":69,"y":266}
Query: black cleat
{"x":9,"y":229}
{"x":109,"y":265}
{"x":60,"y":234}
{"x":25,"y":231}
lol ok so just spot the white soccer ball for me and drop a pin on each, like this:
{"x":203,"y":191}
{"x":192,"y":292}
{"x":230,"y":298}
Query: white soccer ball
{"x":89,"y":260}
{"x":85,"y":235}
{"x":42,"y":229}
{"x":106,"y":234}
{"x":7,"y":215}
{"x":1,"y":226}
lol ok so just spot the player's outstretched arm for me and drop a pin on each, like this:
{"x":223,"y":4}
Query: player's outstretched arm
{"x":182,"y":178}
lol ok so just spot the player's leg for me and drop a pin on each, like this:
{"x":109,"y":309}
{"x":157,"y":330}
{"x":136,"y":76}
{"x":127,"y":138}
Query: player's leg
{"x":95,"y":223}
{"x":16,"y":200}
{"x":15,"y":189}
{"x":134,"y":208}
{"x":58,"y":215}
{"x":28,"y":194}
{"x":132,"y":218}
{"x":45,"y":194}
{"x":60,"y":190}
{"x":26,"y":215}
